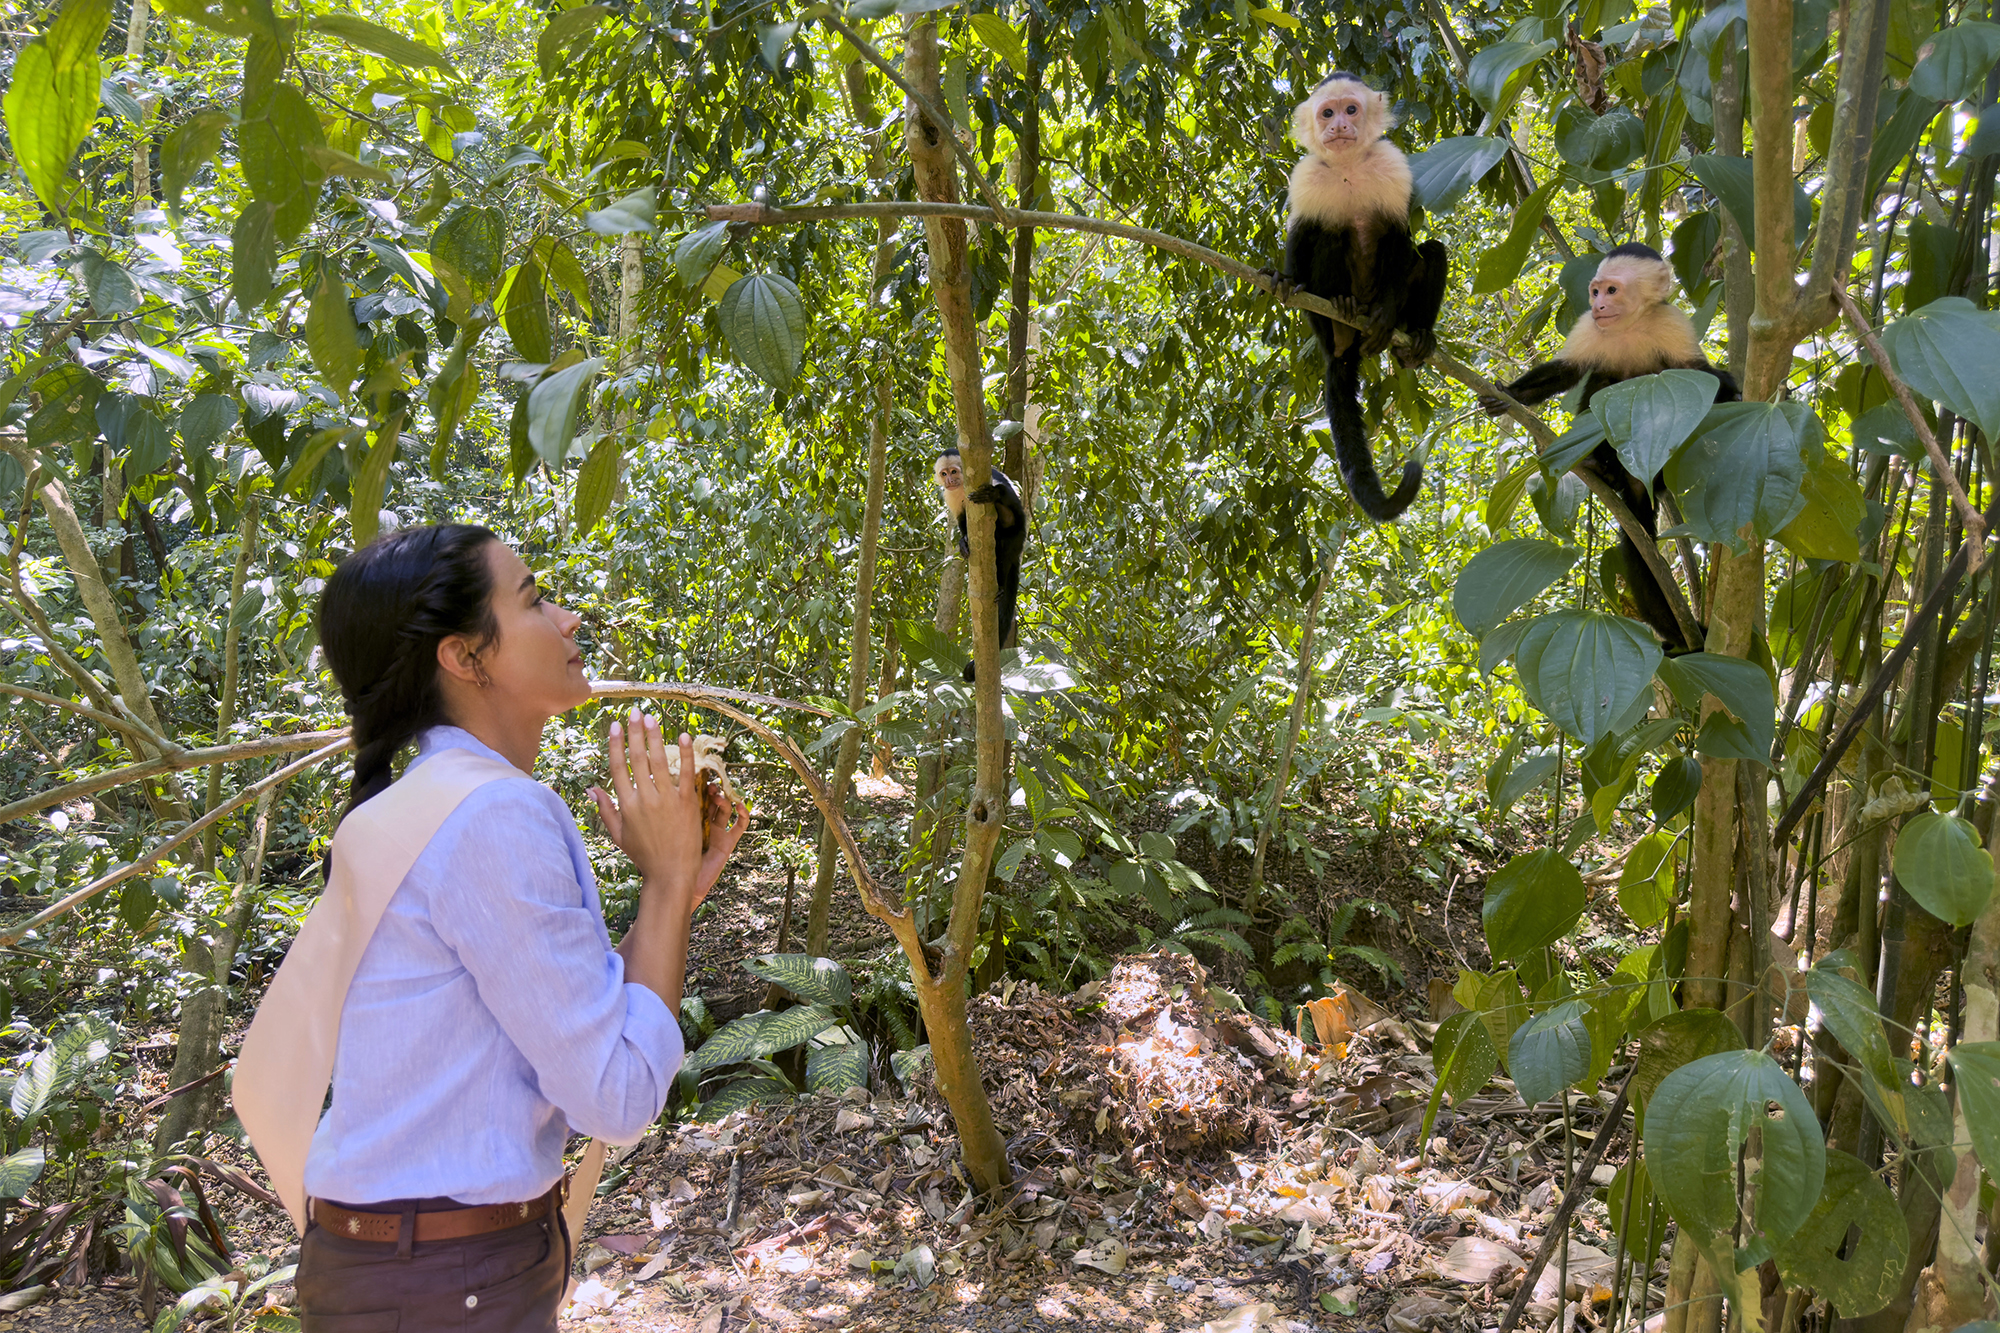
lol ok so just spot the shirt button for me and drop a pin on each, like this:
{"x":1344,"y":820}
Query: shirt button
{"x":471,"y":1301}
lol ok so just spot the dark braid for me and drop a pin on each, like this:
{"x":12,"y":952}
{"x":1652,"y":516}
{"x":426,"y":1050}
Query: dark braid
{"x":381,"y":618}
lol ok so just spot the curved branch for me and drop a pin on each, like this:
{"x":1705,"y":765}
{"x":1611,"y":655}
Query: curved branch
{"x":671,"y":689}
{"x":15,"y":934}
{"x":96,"y":715}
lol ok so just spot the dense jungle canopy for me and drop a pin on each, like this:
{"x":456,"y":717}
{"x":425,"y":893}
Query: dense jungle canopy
{"x":684,"y":297}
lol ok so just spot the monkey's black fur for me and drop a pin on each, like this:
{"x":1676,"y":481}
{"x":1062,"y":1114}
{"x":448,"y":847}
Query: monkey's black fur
{"x":1010,"y":538}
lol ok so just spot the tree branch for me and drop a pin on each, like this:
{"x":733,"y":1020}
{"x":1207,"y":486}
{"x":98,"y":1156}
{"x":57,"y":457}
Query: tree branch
{"x":96,"y":715}
{"x":177,"y":761}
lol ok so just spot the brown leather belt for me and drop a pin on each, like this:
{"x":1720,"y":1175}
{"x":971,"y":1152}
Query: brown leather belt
{"x":449,"y":1224}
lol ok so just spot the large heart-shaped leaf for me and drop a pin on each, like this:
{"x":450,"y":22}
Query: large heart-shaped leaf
{"x":1953,"y":65}
{"x":1443,"y":173}
{"x":1503,"y":578}
{"x":635,"y":212}
{"x":765,"y":322}
{"x":597,"y":482}
{"x":1647,"y":418}
{"x":1853,"y":1246}
{"x":1586,"y":669}
{"x":1827,"y":525}
{"x":1600,"y":143}
{"x":1729,"y":179}
{"x":1550,"y":1052}
{"x":1950,"y":351}
{"x":1939,"y":860}
{"x":552,"y":408}
{"x":1746,"y":467}
{"x":472,"y":240}
{"x":1531,"y":902}
{"x":1743,"y":687}
{"x":1848,"y":1009}
{"x":1699,"y":1121}
{"x":1497,"y":74}
{"x":278,"y":132}
{"x":52,"y":97}
{"x":1463,"y":1055}
{"x":697,"y":252}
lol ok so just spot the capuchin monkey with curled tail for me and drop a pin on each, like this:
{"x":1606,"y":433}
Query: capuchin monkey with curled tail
{"x":1010,"y":530}
{"x":1632,"y":328}
{"x":1348,"y":240}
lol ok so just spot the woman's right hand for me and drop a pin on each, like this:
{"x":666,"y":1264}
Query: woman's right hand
{"x":656,"y":818}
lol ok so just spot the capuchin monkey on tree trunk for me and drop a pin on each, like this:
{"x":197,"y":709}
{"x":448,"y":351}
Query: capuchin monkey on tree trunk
{"x":1348,"y":240}
{"x":1632,"y":328}
{"x":1010,"y":530}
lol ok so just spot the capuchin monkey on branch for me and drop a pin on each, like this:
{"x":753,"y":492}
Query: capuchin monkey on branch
{"x":1348,"y":240}
{"x":1632,"y":328}
{"x":1010,"y":530}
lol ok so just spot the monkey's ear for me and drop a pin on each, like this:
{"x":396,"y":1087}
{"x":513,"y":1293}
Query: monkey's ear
{"x":1385,"y":116}
{"x":1302,"y":124}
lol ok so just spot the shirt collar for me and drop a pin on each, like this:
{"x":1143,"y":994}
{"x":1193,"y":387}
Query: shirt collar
{"x":453,"y":738}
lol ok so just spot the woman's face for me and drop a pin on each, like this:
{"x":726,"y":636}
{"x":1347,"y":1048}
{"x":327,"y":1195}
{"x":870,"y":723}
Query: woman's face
{"x":533,"y":661}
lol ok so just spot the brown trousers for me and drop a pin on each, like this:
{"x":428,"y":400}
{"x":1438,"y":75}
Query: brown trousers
{"x":507,"y":1281}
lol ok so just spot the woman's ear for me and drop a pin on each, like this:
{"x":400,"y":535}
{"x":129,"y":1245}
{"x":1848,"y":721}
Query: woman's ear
{"x":459,"y":661}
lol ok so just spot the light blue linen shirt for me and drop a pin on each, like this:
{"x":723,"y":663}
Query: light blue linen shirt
{"x":489,"y":1015}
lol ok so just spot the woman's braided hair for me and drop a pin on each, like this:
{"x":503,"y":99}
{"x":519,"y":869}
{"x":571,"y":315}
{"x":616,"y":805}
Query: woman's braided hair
{"x":381,"y":618}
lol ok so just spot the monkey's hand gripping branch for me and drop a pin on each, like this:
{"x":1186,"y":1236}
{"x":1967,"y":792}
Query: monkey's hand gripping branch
{"x":1265,"y":280}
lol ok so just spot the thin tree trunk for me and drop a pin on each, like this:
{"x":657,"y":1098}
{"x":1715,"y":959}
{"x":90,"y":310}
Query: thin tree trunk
{"x":142,"y":148}
{"x":1301,"y":695}
{"x":232,"y":640}
{"x":631,"y":279}
{"x":885,"y":755}
{"x":941,"y":994}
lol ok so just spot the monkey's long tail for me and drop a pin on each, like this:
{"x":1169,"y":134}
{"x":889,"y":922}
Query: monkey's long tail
{"x":1350,"y":445}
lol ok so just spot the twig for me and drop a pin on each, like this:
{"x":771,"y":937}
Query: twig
{"x":1559,"y":1224}
{"x":171,"y":763}
{"x":1933,"y":606}
{"x":734,"y":1201}
{"x":1975,"y":522}
{"x":15,"y":934}
{"x":946,"y":125}
{"x":646,"y":689}
{"x":184,"y":1089}
{"x":32,"y":609}
{"x":96,"y":715}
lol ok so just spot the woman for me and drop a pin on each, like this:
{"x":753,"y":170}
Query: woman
{"x":488,"y":1015}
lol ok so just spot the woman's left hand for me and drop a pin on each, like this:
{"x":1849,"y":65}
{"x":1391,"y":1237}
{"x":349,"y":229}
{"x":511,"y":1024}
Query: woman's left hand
{"x":727,"y":822}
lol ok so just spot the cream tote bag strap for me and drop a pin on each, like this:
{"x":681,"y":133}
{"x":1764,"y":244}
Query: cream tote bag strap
{"x":287,"y":1060}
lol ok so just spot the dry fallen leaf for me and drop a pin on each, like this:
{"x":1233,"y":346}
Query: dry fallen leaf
{"x":1414,"y":1313}
{"x":1246,"y":1319}
{"x":680,"y":1191}
{"x":1379,"y":1192}
{"x":850,"y":1119}
{"x":1445,"y":1195}
{"x":1108,"y":1256}
{"x":1475,"y":1259}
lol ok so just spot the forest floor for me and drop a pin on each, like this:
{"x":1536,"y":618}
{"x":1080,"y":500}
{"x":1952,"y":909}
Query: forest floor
{"x":1179,"y":1164}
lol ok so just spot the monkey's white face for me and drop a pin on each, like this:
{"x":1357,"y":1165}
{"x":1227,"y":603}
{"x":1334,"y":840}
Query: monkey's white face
{"x":1610,"y":300}
{"x":949,"y":474}
{"x":1340,"y":118}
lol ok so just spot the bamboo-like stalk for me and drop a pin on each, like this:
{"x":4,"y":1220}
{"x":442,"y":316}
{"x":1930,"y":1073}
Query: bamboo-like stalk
{"x":15,"y":934}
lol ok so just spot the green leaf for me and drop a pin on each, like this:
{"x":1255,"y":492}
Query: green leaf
{"x":905,"y":1064}
{"x":1646,"y":884}
{"x":755,"y":1036}
{"x":364,"y":513}
{"x":1001,"y":39}
{"x":1500,"y":264}
{"x":814,"y":980}
{"x":1694,"y":240}
{"x":21,"y":1170}
{"x":1827,"y":526}
{"x":331,"y":335}
{"x":1952,"y":66}
{"x":1746,"y":468}
{"x":837,"y":1068}
{"x":1497,"y":75}
{"x":472,"y":240}
{"x":1729,"y":179}
{"x":112,"y":291}
{"x":148,"y":448}
{"x":563,"y":30}
{"x":527,"y":313}
{"x":1977,"y":1067}
{"x":332,"y":162}
{"x":1699,"y":1121}
{"x":697,"y":252}
{"x":1505,"y":577}
{"x":1949,"y":351}
{"x":1939,"y":860}
{"x":1639,"y":1216}
{"x":1549,"y":1052}
{"x":765,"y":322}
{"x":552,"y":408}
{"x":275,"y":138}
{"x":1651,"y":416}
{"x":1743,"y":687}
{"x":559,"y":265}
{"x":206,"y":419}
{"x":597,"y":482}
{"x":743,"y":1091}
{"x":1444,"y":172}
{"x":1507,"y":492}
{"x":301,"y":469}
{"x":53,"y":96}
{"x":1848,"y":1009}
{"x":1586,"y":669}
{"x":1853,"y":1246}
{"x":1529,"y":774}
{"x":1532,"y":901}
{"x":185,"y":150}
{"x":253,"y":255}
{"x":453,"y":391}
{"x":69,"y":407}
{"x":1463,"y":1055}
{"x":635,"y":212}
{"x":1600,"y":143}
{"x":381,"y":41}
{"x":1585,"y":433}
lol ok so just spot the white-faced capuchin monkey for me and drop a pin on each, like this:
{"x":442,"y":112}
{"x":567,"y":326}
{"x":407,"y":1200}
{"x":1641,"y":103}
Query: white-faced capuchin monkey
{"x":1348,"y":240}
{"x":1632,"y":328}
{"x":1010,"y":530}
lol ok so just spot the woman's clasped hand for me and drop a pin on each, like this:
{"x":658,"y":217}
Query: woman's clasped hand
{"x":657,"y":819}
